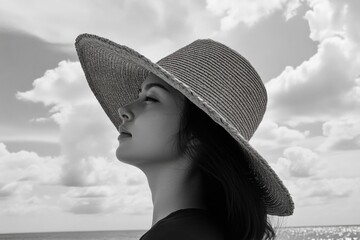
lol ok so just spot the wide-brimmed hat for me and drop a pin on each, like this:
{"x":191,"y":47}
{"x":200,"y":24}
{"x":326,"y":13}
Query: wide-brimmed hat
{"x":216,"y":78}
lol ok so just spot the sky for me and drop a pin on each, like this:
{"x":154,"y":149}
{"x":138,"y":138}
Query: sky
{"x":58,"y":166}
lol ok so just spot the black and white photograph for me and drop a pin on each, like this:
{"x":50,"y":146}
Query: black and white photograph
{"x":180,"y":120}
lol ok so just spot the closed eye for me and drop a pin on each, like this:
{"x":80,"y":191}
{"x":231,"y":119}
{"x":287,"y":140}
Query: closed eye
{"x":151,"y":99}
{"x":147,"y":98}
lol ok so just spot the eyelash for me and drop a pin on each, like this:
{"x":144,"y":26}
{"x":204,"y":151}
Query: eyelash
{"x":152,"y":99}
{"x":147,"y":98}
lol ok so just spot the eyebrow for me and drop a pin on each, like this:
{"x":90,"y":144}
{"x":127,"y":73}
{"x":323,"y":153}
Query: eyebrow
{"x":150,"y":85}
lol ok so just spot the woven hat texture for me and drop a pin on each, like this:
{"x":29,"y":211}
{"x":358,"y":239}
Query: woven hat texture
{"x":216,"y":78}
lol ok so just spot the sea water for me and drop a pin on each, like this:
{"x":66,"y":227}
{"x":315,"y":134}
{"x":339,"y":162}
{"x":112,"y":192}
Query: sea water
{"x":89,"y":235}
{"x":348,"y":232}
{"x":344,"y":232}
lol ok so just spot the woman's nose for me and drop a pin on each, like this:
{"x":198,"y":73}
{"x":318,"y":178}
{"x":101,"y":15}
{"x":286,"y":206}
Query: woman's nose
{"x":124,"y":113}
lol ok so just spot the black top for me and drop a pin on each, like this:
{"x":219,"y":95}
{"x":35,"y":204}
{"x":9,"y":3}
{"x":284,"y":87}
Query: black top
{"x":186,"y":223}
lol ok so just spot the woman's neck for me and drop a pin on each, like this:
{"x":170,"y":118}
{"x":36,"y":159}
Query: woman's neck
{"x":173,"y":188}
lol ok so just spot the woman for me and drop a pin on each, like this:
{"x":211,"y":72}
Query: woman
{"x":185,"y":121}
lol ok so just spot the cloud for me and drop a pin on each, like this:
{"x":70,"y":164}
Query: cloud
{"x":105,"y":200}
{"x":89,"y":172}
{"x":129,"y":22}
{"x":248,"y":12}
{"x":96,"y":182}
{"x":23,"y":200}
{"x":91,"y":192}
{"x":90,"y":200}
{"x":92,"y":206}
{"x":13,"y":188}
{"x":298,"y":162}
{"x":320,"y":88}
{"x":330,"y":18}
{"x":80,"y":15}
{"x":18,"y":198}
{"x":272,"y":136}
{"x":309,"y":192}
{"x":28,"y":166}
{"x":291,"y":9}
{"x":86,"y":134}
{"x":62,"y":87}
{"x":21,"y":173}
{"x":326,"y":85}
{"x":23,"y":204}
{"x":342,"y":133}
{"x":103,"y":188}
{"x":303,"y":172}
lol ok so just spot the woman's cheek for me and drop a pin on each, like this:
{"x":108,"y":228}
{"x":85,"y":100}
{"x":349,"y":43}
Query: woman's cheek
{"x":157,"y":146}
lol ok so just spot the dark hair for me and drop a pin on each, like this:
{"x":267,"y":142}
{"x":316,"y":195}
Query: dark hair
{"x":229,"y":191}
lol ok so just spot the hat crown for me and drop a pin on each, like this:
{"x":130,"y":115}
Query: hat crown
{"x":224,"y":79}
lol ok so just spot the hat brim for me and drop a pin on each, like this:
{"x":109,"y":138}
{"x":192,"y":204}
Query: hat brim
{"x":115,"y":73}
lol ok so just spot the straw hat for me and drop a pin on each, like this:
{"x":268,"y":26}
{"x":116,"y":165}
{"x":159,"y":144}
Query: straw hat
{"x":213,"y":76}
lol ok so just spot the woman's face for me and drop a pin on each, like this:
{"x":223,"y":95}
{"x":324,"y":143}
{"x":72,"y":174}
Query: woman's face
{"x":153,"y":120}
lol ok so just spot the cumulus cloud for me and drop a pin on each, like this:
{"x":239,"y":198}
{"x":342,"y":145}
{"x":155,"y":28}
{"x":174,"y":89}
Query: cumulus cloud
{"x":21,"y":173}
{"x":233,"y":12}
{"x":126,"y":22}
{"x":62,"y":88}
{"x":298,"y":162}
{"x":320,"y":88}
{"x":28,"y":166}
{"x":89,"y":171}
{"x":321,"y":191}
{"x":86,"y":134}
{"x":103,"y":188}
{"x":89,"y":152}
{"x":333,"y":18}
{"x":88,"y":142}
{"x":326,"y":85}
{"x":17,"y":198}
{"x":301,"y":169}
{"x":342,"y":133}
{"x":271,"y":136}
{"x":325,"y":89}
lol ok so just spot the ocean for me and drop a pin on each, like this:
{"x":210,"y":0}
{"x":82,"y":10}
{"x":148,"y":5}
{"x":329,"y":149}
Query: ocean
{"x":90,"y":235}
{"x":346,"y":232}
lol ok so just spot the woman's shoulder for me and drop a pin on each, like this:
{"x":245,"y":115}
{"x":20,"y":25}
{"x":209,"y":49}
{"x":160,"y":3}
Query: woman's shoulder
{"x":191,"y":224}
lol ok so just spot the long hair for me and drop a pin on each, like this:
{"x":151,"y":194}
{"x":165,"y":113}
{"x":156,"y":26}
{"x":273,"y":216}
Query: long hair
{"x":230,"y":193}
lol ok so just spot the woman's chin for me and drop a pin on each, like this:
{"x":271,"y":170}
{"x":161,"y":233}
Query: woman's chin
{"x":123,"y":155}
